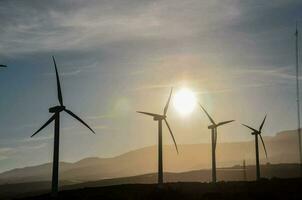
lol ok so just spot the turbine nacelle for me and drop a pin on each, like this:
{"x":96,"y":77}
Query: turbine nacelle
{"x":255,"y":133}
{"x":56,"y":109}
{"x":159,"y":117}
{"x":212,"y":126}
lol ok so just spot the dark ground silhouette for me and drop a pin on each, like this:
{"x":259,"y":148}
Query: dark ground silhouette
{"x":263,"y":189}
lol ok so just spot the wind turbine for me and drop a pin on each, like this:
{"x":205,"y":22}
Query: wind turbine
{"x":56,"y":117}
{"x":159,"y":118}
{"x":256,"y":133}
{"x":213,"y":128}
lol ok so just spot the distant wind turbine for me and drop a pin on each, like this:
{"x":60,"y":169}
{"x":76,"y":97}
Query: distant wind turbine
{"x":298,"y":97}
{"x":56,"y":117}
{"x":159,"y":118}
{"x":256,"y":133}
{"x":213,"y":128}
{"x":244,"y":170}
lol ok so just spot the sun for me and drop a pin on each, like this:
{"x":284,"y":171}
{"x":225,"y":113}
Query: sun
{"x":184,"y":101}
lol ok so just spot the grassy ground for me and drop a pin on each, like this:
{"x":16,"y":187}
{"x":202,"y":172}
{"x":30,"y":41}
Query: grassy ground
{"x":264,"y":189}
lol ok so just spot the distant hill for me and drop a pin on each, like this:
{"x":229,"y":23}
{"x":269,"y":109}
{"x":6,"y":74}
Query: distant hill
{"x":234,"y":173}
{"x":282,"y":148}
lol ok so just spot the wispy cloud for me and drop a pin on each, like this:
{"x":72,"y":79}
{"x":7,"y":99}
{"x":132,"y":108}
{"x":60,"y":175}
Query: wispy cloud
{"x":281,"y":72}
{"x":102,"y":127}
{"x":234,"y":89}
{"x":77,"y":71}
{"x":31,"y":147}
{"x":105,"y":116}
{"x":39,"y":138}
{"x":6,"y":152}
{"x":25,"y":126}
{"x":83,"y":25}
{"x":151,"y":87}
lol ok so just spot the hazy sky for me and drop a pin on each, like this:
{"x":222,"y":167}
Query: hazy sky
{"x":119,"y":56}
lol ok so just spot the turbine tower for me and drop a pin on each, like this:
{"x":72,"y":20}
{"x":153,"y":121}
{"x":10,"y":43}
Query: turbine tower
{"x":213,"y":128}
{"x":159,"y":118}
{"x":256,"y":133}
{"x":244,"y":170}
{"x":56,"y":110}
{"x":298,"y":96}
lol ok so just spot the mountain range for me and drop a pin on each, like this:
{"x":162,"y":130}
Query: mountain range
{"x":281,"y":148}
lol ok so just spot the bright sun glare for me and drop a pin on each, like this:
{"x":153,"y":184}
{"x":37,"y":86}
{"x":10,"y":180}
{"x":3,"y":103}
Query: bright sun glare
{"x":184,"y":101}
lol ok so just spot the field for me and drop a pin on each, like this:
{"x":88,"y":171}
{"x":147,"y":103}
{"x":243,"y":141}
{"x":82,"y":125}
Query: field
{"x":264,"y":189}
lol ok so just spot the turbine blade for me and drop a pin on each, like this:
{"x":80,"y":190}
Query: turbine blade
{"x":225,"y":122}
{"x":60,"y":98}
{"x":250,"y":128}
{"x":263,"y":145}
{"x":171,"y":135}
{"x":261,"y":126}
{"x":3,"y":66}
{"x":168,"y":102}
{"x":210,"y":118}
{"x":147,"y":113}
{"x":46,"y":123}
{"x":79,"y":119}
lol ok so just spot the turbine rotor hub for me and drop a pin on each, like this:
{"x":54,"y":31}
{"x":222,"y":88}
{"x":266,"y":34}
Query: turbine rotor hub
{"x":56,"y":109}
{"x":256,"y":133}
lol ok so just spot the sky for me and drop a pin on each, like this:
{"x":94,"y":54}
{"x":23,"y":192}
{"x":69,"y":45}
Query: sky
{"x":119,"y":56}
